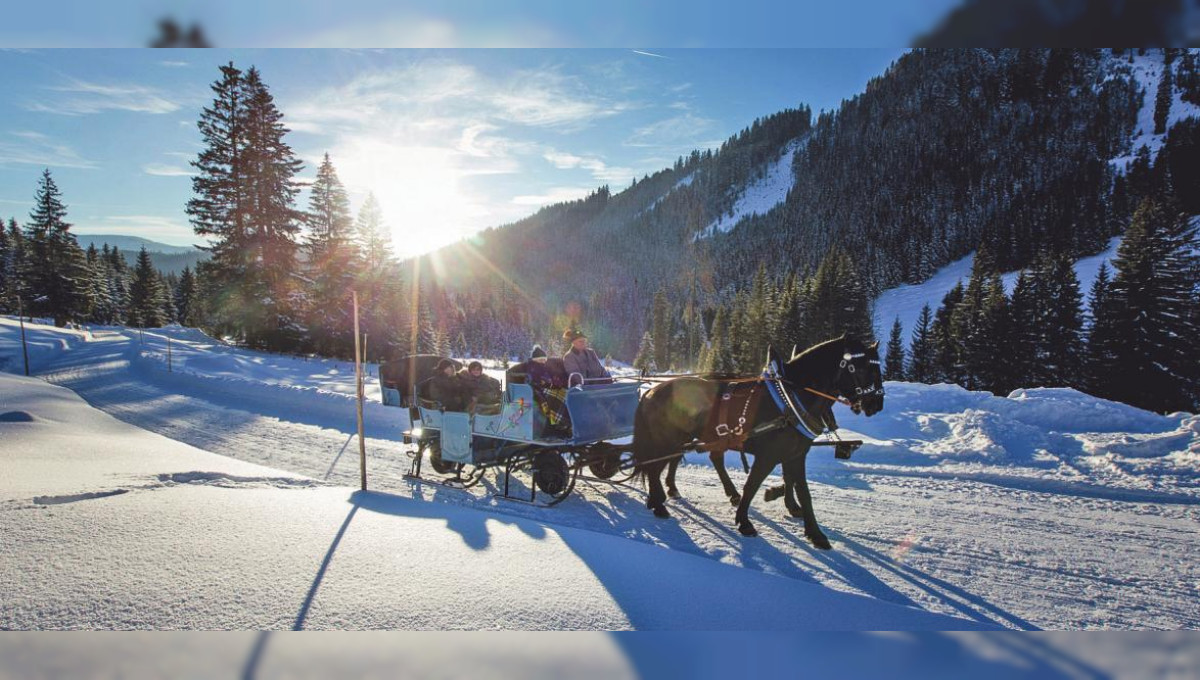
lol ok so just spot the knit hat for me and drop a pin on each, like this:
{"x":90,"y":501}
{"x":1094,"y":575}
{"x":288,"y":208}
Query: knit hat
{"x":474,"y":365}
{"x":444,"y":364}
{"x":538,"y":352}
{"x":571,"y":335}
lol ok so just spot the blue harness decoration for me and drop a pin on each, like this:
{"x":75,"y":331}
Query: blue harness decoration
{"x":787,"y":404}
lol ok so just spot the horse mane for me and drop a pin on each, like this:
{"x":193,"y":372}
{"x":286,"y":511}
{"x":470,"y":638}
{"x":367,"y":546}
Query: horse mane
{"x":817,"y":349}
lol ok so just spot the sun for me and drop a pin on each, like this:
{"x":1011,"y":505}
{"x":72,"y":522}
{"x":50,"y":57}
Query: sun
{"x":421,"y":191}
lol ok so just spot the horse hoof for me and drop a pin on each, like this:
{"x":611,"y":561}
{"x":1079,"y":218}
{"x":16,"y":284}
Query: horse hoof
{"x":747,"y":529}
{"x":674,"y":493}
{"x":820,"y":541}
{"x":661,"y":512}
{"x":772,"y":493}
{"x":735,"y":500}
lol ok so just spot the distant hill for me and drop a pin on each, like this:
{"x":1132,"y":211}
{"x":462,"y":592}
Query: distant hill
{"x":167,"y":259}
{"x":131,"y":243}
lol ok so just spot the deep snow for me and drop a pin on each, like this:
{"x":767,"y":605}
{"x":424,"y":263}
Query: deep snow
{"x":111,"y":527}
{"x":1048,"y":509}
{"x":905,"y":301}
{"x":762,"y":193}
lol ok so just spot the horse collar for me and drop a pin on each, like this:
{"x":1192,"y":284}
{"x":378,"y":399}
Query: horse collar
{"x":788,"y":403}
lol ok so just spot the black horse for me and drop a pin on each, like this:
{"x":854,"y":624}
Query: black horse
{"x":675,"y":415}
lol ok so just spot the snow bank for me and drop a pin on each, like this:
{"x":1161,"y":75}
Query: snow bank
{"x":108,"y":526}
{"x":1045,"y":434}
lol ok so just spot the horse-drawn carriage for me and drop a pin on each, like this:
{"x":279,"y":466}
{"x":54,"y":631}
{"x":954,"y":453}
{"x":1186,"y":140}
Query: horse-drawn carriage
{"x":617,"y":429}
{"x":534,"y":461}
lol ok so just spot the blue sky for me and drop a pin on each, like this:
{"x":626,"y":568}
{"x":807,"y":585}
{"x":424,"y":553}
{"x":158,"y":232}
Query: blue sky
{"x":450,"y":141}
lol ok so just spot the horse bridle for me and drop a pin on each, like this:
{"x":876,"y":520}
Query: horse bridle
{"x":860,"y":392}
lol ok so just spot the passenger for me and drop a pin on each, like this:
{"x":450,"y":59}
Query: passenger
{"x":445,"y":388}
{"x":549,"y":387}
{"x":581,"y":359}
{"x":479,"y":389}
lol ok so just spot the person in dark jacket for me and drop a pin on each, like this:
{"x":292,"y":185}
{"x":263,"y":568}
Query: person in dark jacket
{"x":478,"y":387}
{"x":582,"y":360}
{"x":445,"y":388}
{"x":549,"y":390}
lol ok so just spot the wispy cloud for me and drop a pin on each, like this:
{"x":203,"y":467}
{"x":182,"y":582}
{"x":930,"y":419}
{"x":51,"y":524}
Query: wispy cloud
{"x":80,"y":97}
{"x":24,"y":147}
{"x":554,"y":195}
{"x":679,"y":131}
{"x":174,"y":64}
{"x":164,"y":170}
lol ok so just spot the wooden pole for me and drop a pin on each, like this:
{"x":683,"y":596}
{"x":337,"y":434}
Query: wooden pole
{"x":169,"y":369}
{"x":21,"y":320}
{"x":362,"y":444}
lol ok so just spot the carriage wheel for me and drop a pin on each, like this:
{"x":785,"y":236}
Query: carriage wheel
{"x":552,"y":476}
{"x":442,"y":467}
{"x":625,"y":467}
{"x":604,"y":466}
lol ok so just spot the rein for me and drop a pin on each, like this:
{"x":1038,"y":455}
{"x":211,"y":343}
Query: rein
{"x":840,"y":400}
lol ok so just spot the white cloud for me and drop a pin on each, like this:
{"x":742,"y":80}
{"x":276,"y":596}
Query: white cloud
{"x":596,"y":166}
{"x":174,"y":64}
{"x":35,"y":148}
{"x":81,"y":97}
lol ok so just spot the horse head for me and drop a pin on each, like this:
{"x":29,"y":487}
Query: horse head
{"x":845,"y":365}
{"x":859,"y":377}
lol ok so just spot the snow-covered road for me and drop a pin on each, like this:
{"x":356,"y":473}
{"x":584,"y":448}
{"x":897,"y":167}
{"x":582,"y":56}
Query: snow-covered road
{"x":1014,"y":546}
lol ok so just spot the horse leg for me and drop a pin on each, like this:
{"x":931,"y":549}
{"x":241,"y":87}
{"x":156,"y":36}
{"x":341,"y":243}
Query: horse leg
{"x":763,"y":465}
{"x":718,"y":462}
{"x":657,"y":498}
{"x":672,"y":490}
{"x":789,"y":495}
{"x":795,"y":469}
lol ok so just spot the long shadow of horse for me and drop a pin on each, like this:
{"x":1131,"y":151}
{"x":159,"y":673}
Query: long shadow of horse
{"x":965,"y":602}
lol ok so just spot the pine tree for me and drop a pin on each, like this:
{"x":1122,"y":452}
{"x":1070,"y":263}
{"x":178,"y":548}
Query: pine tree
{"x":990,"y":341}
{"x":274,"y":219}
{"x":146,"y":296}
{"x":186,"y":296}
{"x":1162,"y":100}
{"x":332,"y":263}
{"x":660,"y":330}
{"x":947,"y":347}
{"x":1061,"y":350}
{"x":56,"y":274}
{"x":921,"y":367}
{"x":645,"y":362}
{"x":1024,"y":336}
{"x":1102,"y":351}
{"x":1153,"y":300}
{"x":893,"y":368}
{"x":721,"y":356}
{"x":16,"y":267}
{"x":6,"y":248}
{"x":244,"y":195}
{"x":374,"y":240}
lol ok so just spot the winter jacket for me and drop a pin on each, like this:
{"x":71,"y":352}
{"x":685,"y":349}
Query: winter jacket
{"x":549,"y":374}
{"x":484,"y":390}
{"x":447,"y":390}
{"x":585,"y":363}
